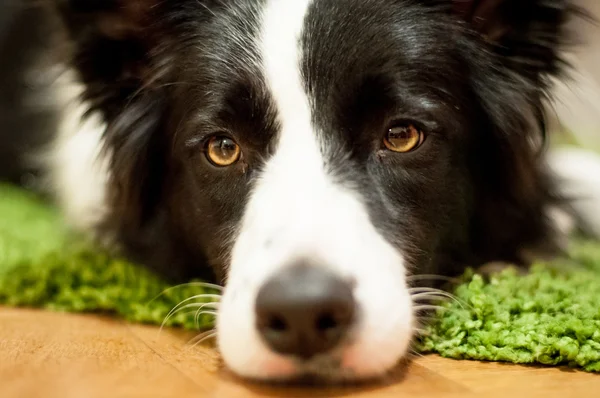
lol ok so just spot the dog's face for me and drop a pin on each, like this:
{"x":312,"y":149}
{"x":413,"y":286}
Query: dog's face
{"x":314,"y":153}
{"x":322,"y":140}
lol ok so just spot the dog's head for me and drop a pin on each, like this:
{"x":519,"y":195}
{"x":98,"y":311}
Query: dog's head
{"x":314,"y":153}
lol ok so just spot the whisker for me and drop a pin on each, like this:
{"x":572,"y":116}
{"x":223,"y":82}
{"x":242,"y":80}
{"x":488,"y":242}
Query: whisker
{"x":197,"y":316}
{"x":208,"y":312}
{"x":438,"y":295}
{"x":430,"y":277}
{"x":180,"y":305}
{"x":216,"y":297}
{"x":424,"y":307}
{"x":429,"y":292}
{"x":189,"y":284}
{"x":195,"y":311}
{"x":200,"y":312}
{"x":160,"y":330}
{"x":209,"y":334}
{"x":425,"y":289}
{"x":213,"y":305}
{"x":427,"y":318}
{"x":173,"y":313}
{"x":415,"y":353}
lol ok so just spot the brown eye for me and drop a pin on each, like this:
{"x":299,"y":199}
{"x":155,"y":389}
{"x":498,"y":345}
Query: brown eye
{"x":223,"y":151}
{"x":403,"y":138}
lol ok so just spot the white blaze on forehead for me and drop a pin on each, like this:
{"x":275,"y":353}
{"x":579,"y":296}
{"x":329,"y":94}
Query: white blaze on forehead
{"x":282,"y":26}
{"x":297,"y":212}
{"x":283,"y":23}
{"x":295,"y":176}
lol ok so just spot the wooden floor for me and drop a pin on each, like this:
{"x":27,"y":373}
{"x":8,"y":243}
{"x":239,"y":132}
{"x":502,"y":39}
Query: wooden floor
{"x":43,"y":354}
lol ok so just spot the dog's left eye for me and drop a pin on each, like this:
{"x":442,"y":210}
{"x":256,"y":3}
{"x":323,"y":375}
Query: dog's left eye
{"x":403,"y":137}
{"x":222,"y":151}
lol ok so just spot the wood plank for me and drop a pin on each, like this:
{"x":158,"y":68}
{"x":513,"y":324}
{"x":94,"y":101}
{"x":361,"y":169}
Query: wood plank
{"x":46,"y":354}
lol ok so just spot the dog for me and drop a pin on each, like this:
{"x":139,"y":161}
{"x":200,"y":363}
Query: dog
{"x":314,"y":156}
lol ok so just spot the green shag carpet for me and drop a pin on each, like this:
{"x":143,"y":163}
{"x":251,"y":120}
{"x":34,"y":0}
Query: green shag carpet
{"x":549,"y":317}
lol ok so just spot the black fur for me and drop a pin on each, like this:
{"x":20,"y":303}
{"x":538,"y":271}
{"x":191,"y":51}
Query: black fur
{"x":474,"y":74}
{"x":478,"y":188}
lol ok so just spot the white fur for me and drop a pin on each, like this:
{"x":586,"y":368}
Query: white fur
{"x":78,"y":168}
{"x":297,"y":212}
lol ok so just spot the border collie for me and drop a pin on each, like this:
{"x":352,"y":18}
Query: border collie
{"x":312,"y":155}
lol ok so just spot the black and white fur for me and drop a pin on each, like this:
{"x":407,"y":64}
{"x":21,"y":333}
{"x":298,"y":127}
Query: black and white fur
{"x":308,"y":89}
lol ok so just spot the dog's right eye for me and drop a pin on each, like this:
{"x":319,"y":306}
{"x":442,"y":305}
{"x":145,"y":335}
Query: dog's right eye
{"x":403,"y":137}
{"x":222,"y":151}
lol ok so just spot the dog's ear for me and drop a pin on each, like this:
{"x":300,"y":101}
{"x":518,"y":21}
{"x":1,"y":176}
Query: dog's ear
{"x":111,"y":43}
{"x":528,"y":33}
{"x":520,"y":44}
{"x":112,"y":18}
{"x":114,"y":50}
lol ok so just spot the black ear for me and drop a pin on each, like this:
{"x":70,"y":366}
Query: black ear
{"x":110,"y":44}
{"x":528,"y":33}
{"x":114,"y":18}
{"x":113,"y":48}
{"x":523,"y":42}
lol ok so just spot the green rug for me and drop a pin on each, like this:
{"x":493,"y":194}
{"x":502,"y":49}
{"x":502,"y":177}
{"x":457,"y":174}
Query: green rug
{"x":550,"y":317}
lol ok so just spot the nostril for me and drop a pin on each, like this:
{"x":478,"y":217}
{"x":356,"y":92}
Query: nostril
{"x":331,"y":325}
{"x":326,"y":322}
{"x":277,"y":324}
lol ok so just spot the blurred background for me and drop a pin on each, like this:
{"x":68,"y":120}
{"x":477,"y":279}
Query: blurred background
{"x":577,"y":102}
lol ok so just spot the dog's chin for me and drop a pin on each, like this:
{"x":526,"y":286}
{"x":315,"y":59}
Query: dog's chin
{"x":323,"y":371}
{"x":345,"y":367}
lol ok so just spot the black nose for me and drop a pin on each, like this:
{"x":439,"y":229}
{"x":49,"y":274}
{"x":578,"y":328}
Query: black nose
{"x":304,"y":311}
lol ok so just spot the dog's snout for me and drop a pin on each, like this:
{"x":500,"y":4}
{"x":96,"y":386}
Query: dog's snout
{"x":304,"y":311}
